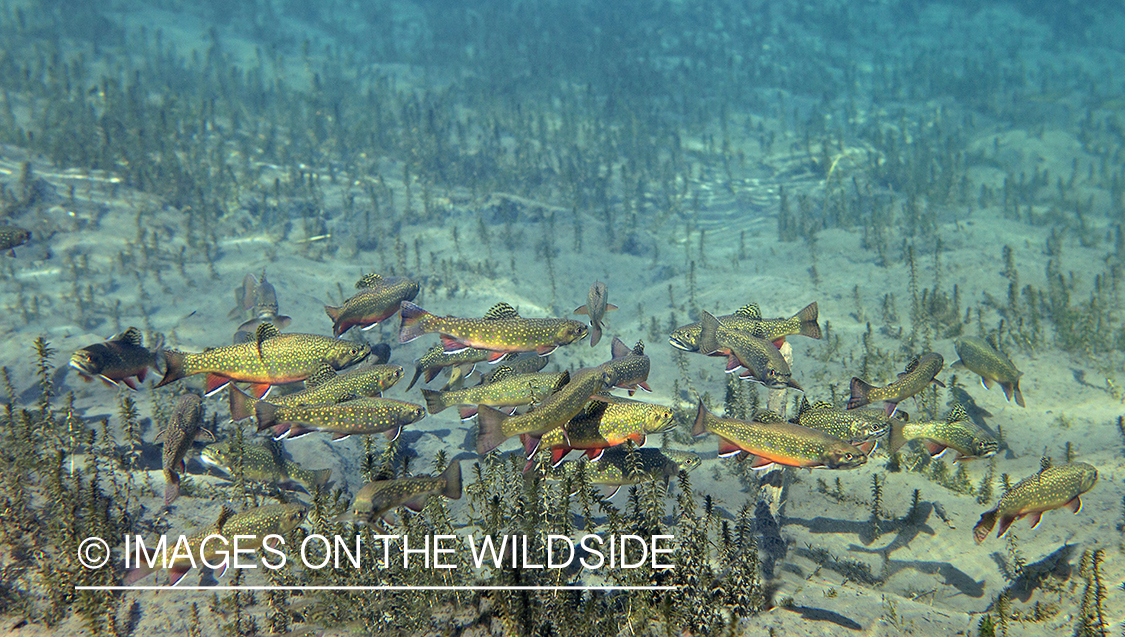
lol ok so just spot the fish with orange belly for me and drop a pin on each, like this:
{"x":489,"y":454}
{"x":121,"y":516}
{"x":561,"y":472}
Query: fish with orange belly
{"x":501,"y":331}
{"x":1052,"y":488}
{"x":271,"y":359}
{"x":377,"y":299}
{"x":769,"y":439}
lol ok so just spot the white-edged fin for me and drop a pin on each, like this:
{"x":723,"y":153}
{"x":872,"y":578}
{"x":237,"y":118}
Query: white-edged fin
{"x":369,"y":327}
{"x":608,"y":491}
{"x":1035,"y":518}
{"x":1074,"y":505}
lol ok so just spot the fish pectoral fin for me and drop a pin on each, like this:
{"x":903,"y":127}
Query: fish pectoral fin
{"x":214,"y":383}
{"x":594,"y":454}
{"x":761,"y":464}
{"x":417,"y":503}
{"x":450,"y":345}
{"x":1034,"y":518}
{"x":987,"y":382}
{"x":496,"y":357}
{"x":260,"y":390}
{"x":336,"y":437}
{"x":392,"y":434}
{"x":545,"y":350}
{"x":608,"y":492}
{"x":732,"y":364}
{"x":1074,"y":505}
{"x":935,"y":449}
{"x":728,"y":448}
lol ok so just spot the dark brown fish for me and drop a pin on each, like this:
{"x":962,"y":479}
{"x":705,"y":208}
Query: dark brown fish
{"x":12,"y":237}
{"x":259,"y":299}
{"x":119,"y":359}
{"x":628,"y":369}
{"x":377,"y":499}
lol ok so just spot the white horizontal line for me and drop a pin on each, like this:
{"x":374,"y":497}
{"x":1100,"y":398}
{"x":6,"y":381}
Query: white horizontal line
{"x":375,"y":588}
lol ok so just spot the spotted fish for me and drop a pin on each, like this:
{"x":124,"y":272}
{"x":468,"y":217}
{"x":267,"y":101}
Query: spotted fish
{"x":352,"y":418}
{"x":119,"y":359}
{"x":377,"y":299}
{"x":252,"y":526}
{"x":1051,"y":488}
{"x":185,"y":424}
{"x":748,"y":319}
{"x":506,"y":389}
{"x":758,"y":355}
{"x":501,"y":330}
{"x":858,"y":426}
{"x":574,"y":391}
{"x":769,"y":439}
{"x":436,"y":359}
{"x":982,"y":358}
{"x":12,"y":237}
{"x":263,"y":463}
{"x":596,"y":307}
{"x":956,"y":432}
{"x":377,"y":499}
{"x":919,"y":373}
{"x":628,"y":369}
{"x":273,"y":358}
{"x":615,"y":469}
{"x":603,"y":423}
{"x":324,"y":386}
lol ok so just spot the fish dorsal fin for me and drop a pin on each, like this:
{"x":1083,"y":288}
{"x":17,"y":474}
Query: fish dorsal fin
{"x":749,"y":311}
{"x":639,"y":348}
{"x":265,"y":332}
{"x":324,"y":373}
{"x":805,"y":407}
{"x":367,"y":281}
{"x":822,"y":404}
{"x":957,"y":414}
{"x":224,"y":515}
{"x":992,"y":341}
{"x":619,"y":348}
{"x":767,"y":416}
{"x":594,"y":409}
{"x":501,"y":311}
{"x":561,"y":382}
{"x":500,"y":373}
{"x":911,"y":367}
{"x":131,"y":336}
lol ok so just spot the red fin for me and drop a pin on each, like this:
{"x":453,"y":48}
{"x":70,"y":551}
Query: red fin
{"x":643,"y":385}
{"x":761,"y":464}
{"x":297,"y":432}
{"x":142,"y":374}
{"x":214,"y":383}
{"x":732,"y":363}
{"x":595,"y":454}
{"x":336,"y":437}
{"x":544,"y":350}
{"x":935,"y":449}
{"x":558,"y":454}
{"x":260,"y":390}
{"x":417,"y":503}
{"x":867,"y":446}
{"x":128,"y":382}
{"x":1074,"y":505}
{"x":496,"y":357}
{"x":174,"y":576}
{"x":728,"y":448}
{"x":450,"y":345}
{"x":1005,"y":522}
{"x":779,"y":342}
{"x":467,"y":411}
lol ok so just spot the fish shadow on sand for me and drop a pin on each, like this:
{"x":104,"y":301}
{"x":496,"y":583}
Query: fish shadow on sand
{"x":950,"y":575}
{"x":1055,"y":565}
{"x":821,"y":615}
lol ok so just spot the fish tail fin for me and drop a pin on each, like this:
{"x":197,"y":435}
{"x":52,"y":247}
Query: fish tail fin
{"x":984,"y":526}
{"x":417,"y":374}
{"x":434,"y":402}
{"x":332,"y":311}
{"x":490,"y":429}
{"x":860,"y":390}
{"x":241,"y":405}
{"x":708,"y":342}
{"x":321,"y":477}
{"x":595,"y":333}
{"x":808,"y":318}
{"x":266,"y":414}
{"x":701,"y":414}
{"x":171,"y":488}
{"x":173,"y":366}
{"x":452,"y":475}
{"x":412,"y":318}
{"x":897,"y":439}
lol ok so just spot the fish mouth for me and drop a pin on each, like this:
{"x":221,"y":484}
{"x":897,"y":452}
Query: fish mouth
{"x":83,"y":366}
{"x":678,"y":344}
